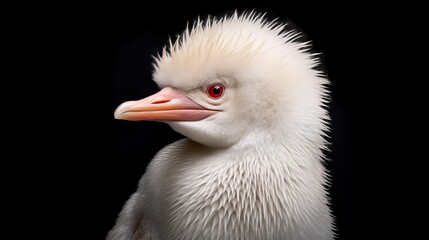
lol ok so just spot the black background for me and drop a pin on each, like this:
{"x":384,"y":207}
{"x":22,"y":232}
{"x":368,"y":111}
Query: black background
{"x":96,"y":57}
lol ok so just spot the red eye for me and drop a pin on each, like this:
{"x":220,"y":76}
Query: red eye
{"x":215,"y":90}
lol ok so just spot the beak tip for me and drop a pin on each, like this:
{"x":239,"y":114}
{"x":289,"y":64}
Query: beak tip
{"x":117,"y":115}
{"x":121,"y":109}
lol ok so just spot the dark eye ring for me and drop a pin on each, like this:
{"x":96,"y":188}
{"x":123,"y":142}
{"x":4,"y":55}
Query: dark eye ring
{"x":215,"y":91}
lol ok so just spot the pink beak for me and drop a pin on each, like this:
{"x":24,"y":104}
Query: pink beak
{"x":166,"y":105}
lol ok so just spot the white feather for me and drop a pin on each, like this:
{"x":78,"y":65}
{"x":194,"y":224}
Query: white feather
{"x":254,"y":170}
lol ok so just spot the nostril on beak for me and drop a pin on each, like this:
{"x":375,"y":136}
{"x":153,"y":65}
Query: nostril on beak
{"x":160,"y":99}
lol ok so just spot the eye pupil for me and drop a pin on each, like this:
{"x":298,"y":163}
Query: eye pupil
{"x":215,"y":91}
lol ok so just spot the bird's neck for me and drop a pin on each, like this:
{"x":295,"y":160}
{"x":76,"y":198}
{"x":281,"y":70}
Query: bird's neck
{"x":288,"y":147}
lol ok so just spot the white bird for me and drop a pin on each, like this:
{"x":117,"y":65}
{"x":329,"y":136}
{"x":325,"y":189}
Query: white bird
{"x":248,"y":98}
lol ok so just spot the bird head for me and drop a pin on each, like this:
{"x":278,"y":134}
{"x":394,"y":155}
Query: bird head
{"x":224,"y":80}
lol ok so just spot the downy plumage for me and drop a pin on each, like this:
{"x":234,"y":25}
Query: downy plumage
{"x":248,"y":98}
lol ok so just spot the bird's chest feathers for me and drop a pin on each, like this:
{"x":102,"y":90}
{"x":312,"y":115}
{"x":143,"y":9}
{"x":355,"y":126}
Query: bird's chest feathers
{"x":228,"y":195}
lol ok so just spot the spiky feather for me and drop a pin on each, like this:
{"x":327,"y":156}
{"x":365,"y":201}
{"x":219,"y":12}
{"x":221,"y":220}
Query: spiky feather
{"x":269,"y":183}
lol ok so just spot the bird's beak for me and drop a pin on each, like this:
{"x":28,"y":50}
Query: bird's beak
{"x":166,"y":105}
